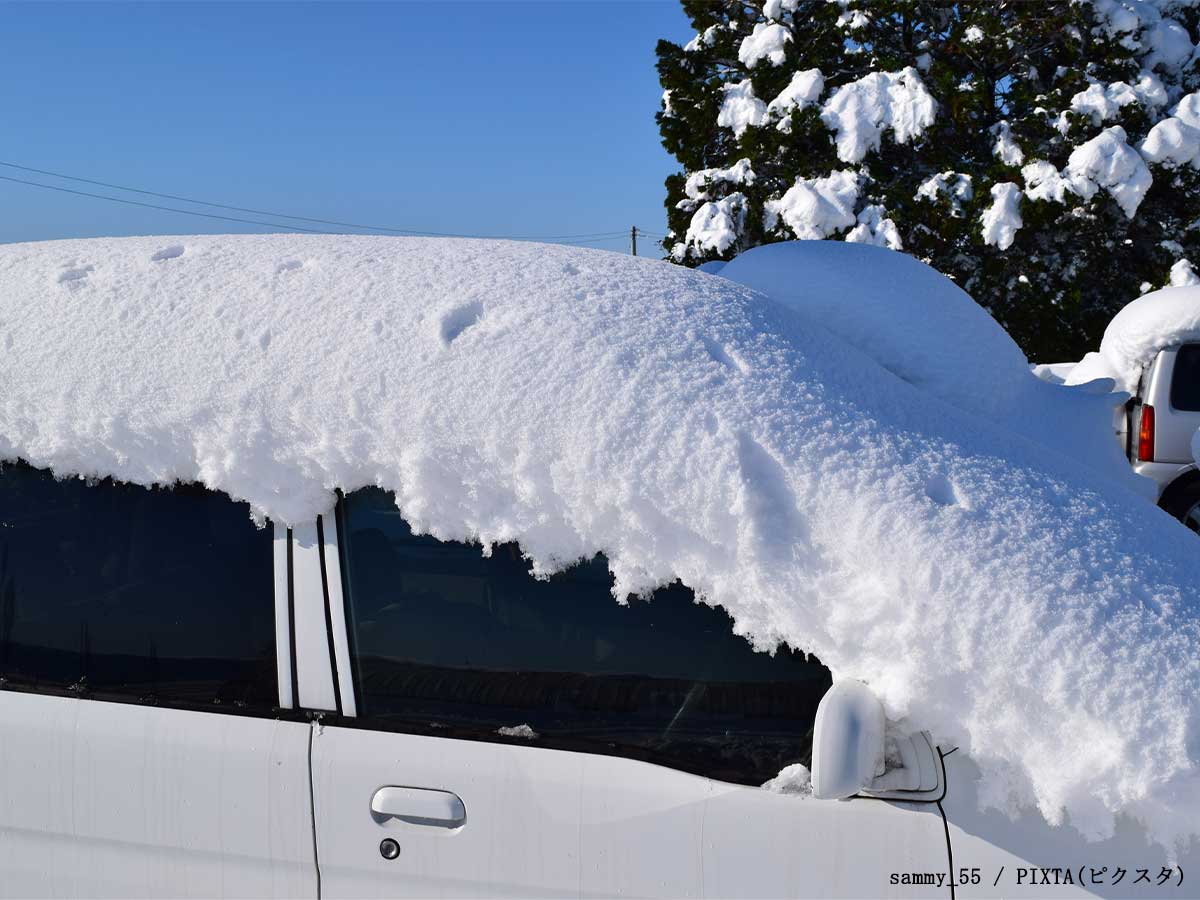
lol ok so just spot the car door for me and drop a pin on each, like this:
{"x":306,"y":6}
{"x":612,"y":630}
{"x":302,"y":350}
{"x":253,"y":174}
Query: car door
{"x":143,"y":748}
{"x":1017,"y":853}
{"x":504,"y":736}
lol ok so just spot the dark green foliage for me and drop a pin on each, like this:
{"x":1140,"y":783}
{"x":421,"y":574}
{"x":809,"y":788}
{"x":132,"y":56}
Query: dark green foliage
{"x":1071,"y":265}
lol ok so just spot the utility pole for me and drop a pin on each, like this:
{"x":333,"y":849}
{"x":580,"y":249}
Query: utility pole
{"x":633,"y":240}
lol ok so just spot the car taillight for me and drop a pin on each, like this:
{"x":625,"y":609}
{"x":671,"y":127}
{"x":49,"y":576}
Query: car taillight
{"x":1145,"y":447}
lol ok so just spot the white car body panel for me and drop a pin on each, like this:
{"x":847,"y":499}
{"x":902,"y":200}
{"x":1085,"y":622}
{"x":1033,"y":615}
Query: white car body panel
{"x":520,"y":839}
{"x":125,"y":800}
{"x":559,"y":823}
{"x":999,"y":845}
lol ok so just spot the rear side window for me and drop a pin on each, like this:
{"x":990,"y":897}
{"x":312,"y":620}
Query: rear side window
{"x":1185,"y":381}
{"x":119,"y":592}
{"x":447,"y":641}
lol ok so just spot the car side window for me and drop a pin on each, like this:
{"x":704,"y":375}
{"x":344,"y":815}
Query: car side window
{"x":114,"y":591}
{"x":1185,"y":379}
{"x":447,"y":641}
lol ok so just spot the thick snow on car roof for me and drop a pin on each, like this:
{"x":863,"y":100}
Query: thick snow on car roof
{"x":1163,"y":318}
{"x":580,"y":401}
{"x":922,"y":327}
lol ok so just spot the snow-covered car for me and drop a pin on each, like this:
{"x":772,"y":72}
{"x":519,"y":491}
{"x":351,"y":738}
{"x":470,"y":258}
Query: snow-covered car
{"x":404,"y":567}
{"x":1151,"y":351}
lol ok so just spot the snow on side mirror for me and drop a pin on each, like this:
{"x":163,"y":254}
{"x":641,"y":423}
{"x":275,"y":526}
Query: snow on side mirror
{"x":848,"y":741}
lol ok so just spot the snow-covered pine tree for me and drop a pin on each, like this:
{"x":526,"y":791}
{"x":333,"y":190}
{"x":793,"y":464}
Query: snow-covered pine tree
{"x":1045,"y":155}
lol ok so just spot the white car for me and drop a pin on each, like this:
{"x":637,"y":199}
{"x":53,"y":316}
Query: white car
{"x":1151,"y":351}
{"x":1159,"y":425}
{"x":286,"y":670}
{"x":194,"y":705}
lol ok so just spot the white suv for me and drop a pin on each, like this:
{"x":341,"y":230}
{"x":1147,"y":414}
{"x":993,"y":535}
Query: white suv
{"x":1159,"y":424}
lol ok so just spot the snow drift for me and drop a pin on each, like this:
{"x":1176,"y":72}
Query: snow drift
{"x":1159,"y":319}
{"x":577,"y":401}
{"x":923,"y":328}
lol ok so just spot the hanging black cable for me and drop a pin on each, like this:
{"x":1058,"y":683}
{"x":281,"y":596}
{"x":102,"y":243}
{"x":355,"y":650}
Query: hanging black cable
{"x":594,"y":235}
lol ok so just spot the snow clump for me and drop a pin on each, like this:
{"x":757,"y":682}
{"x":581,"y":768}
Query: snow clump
{"x":1176,"y":141}
{"x":801,"y":92}
{"x":956,"y":187}
{"x":1006,"y":149}
{"x":859,"y":112}
{"x":815,"y":208}
{"x":740,"y":108}
{"x":765,"y":42}
{"x":1107,"y":162}
{"x":717,"y":223}
{"x":1002,"y":220}
{"x":874,"y":227}
{"x":794,"y":779}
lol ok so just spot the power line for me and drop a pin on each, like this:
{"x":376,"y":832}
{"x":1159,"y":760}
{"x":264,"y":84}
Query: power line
{"x":186,"y":212}
{"x":585,"y":238}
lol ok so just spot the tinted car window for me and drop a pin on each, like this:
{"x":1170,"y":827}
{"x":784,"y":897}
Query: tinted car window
{"x":121,"y":592}
{"x":1185,"y":381}
{"x":452,"y":642}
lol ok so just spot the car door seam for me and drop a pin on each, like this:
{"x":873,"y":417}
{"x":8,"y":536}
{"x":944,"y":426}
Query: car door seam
{"x":312,"y":805}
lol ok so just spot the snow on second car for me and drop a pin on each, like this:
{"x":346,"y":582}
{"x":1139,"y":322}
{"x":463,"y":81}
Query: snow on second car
{"x":576,"y":401}
{"x":1163,"y":318}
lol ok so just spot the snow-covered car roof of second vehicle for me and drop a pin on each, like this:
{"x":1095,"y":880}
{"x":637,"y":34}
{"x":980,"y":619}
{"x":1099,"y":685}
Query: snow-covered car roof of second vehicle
{"x":1153,"y":322}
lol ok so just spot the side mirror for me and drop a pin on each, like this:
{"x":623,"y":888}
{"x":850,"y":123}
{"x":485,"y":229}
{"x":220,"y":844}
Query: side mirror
{"x":848,"y":741}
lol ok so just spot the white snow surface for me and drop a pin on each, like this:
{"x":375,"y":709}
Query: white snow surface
{"x":927,"y":331}
{"x":1182,"y":274}
{"x":1159,"y":319}
{"x":860,"y":111}
{"x":1055,"y":373}
{"x":579,"y":401}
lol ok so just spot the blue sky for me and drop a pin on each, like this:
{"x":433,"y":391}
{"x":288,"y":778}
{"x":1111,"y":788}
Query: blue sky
{"x":492,"y":118}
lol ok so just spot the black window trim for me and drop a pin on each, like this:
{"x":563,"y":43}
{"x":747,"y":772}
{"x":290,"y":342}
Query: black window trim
{"x":1174,"y":371}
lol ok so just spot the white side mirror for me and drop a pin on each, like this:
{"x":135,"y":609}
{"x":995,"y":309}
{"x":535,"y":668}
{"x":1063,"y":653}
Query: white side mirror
{"x":848,"y":741}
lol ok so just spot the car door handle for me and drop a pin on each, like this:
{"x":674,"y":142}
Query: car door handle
{"x":418,"y":806}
